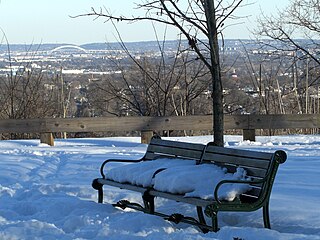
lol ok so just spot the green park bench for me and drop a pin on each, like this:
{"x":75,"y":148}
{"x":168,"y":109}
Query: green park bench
{"x":260,"y":168}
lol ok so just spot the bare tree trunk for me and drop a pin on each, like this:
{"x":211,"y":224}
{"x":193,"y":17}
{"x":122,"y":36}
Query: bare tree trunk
{"x":295,"y":88}
{"x":217,"y":96}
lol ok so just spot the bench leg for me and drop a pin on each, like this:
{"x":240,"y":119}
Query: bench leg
{"x":98,"y":186}
{"x":214,"y":218}
{"x":148,"y":202}
{"x":202,"y":220}
{"x":211,"y":211}
{"x":266,"y":218}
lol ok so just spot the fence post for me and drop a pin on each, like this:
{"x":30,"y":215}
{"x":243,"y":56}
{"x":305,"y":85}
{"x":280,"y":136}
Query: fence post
{"x":249,"y":134}
{"x":47,"y":138}
{"x":146,"y":136}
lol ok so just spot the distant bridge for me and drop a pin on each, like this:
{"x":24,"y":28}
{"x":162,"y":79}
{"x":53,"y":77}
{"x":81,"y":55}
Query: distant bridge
{"x":69,"y":46}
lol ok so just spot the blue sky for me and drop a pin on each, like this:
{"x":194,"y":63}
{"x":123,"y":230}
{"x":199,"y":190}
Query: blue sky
{"x":48,"y":21}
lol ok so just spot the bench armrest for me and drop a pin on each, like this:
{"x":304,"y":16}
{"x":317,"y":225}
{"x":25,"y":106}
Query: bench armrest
{"x":116,"y":160}
{"x":216,"y":198}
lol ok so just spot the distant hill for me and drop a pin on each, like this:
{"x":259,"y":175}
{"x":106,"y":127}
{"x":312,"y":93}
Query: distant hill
{"x":146,"y":46}
{"x":134,"y":46}
{"x":30,"y":47}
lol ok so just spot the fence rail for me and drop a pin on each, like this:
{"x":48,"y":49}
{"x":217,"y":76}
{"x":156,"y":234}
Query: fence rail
{"x":146,"y":125}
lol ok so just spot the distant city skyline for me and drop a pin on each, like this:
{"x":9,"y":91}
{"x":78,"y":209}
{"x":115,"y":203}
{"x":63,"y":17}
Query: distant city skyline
{"x":44,"y":21}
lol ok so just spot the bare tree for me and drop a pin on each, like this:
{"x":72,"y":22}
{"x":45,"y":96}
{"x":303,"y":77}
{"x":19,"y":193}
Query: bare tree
{"x":295,"y":32}
{"x":300,"y":20}
{"x":264,"y":79}
{"x":196,"y":20}
{"x":24,"y":92}
{"x":153,"y":86}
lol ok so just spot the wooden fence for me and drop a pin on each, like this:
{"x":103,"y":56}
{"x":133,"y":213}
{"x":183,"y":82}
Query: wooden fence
{"x":146,"y":125}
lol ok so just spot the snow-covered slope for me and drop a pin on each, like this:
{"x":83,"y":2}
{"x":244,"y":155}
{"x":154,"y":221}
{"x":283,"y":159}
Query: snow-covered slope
{"x":45,"y":193}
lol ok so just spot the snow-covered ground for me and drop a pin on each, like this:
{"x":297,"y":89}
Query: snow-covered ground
{"x":45,"y":193}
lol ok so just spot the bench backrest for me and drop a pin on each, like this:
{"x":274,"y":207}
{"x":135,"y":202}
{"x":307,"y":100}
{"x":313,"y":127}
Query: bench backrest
{"x":258,"y":165}
{"x":165,"y":148}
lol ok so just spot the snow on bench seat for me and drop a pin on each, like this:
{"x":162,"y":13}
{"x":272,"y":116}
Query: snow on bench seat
{"x":142,"y":173}
{"x":181,"y":177}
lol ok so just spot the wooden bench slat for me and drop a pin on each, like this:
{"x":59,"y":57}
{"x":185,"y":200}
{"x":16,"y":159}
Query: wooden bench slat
{"x":185,"y":145}
{"x":175,"y":197}
{"x":151,"y":156}
{"x":158,"y":147}
{"x":253,"y":193}
{"x":232,"y":152}
{"x":251,"y":171}
{"x":127,"y":186}
{"x":255,"y":172}
{"x":239,"y":161}
{"x":189,"y":153}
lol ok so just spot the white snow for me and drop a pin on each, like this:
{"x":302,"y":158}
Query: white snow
{"x":46,"y":193}
{"x":181,"y":176}
{"x":141,"y":173}
{"x":200,"y":181}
